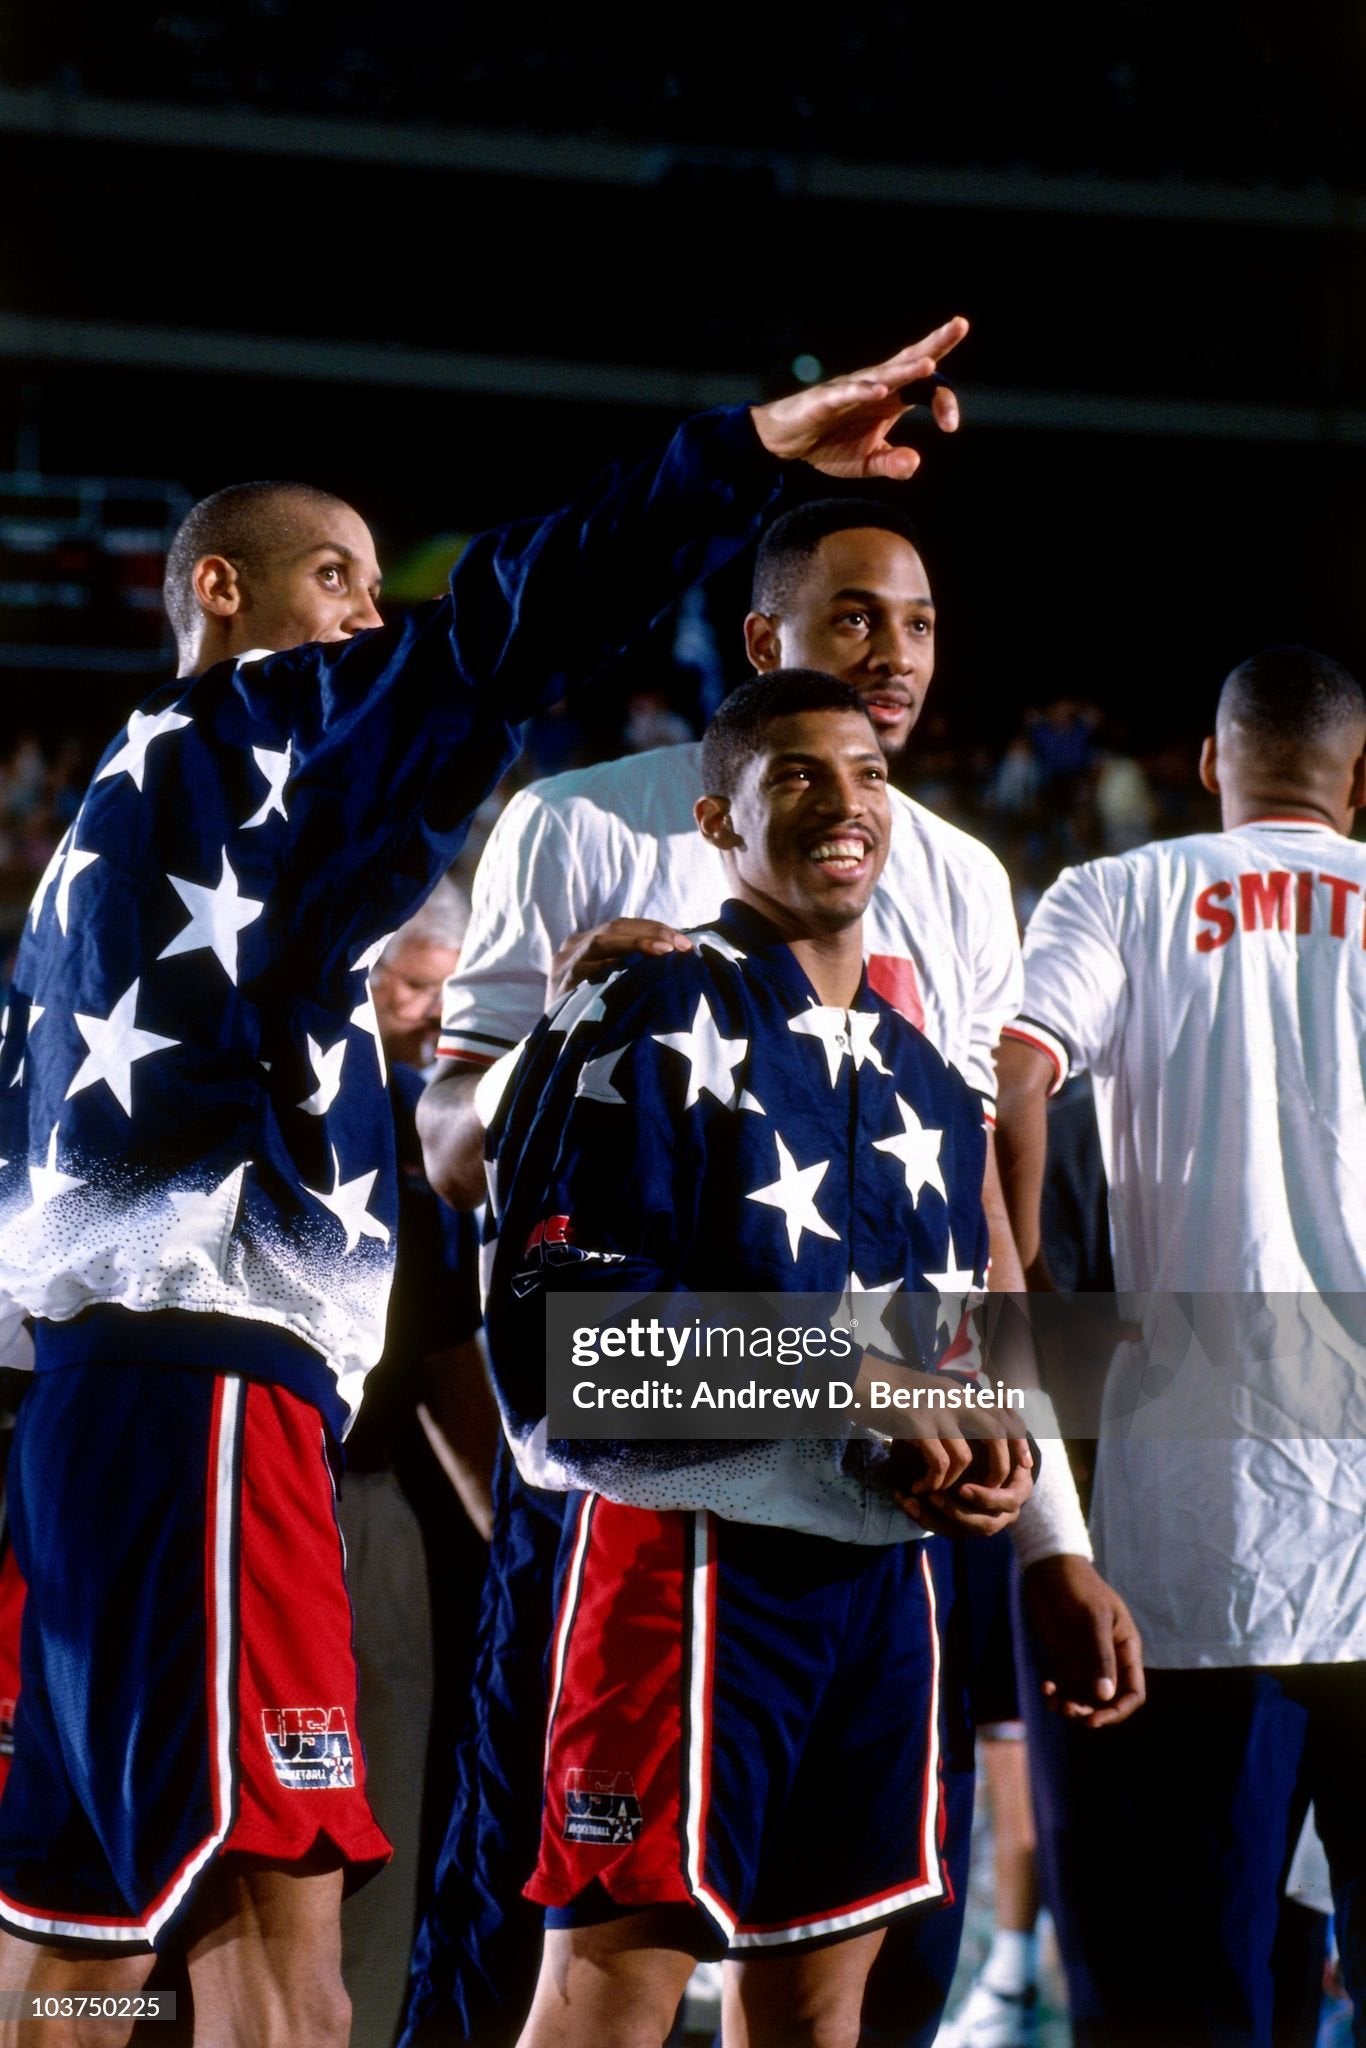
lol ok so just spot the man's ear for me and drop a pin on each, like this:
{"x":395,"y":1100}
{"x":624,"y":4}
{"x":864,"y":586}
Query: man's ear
{"x":1209,"y":765}
{"x":1357,"y":800}
{"x":216,"y":587}
{"x":713,"y":822}
{"x":763,"y":643}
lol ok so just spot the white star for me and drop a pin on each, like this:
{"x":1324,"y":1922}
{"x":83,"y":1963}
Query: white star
{"x":830,"y":1028}
{"x":115,"y":1042}
{"x":48,"y":1181}
{"x":854,"y":1288}
{"x":371,"y":956}
{"x":712,"y":942}
{"x":711,"y":1058}
{"x":49,"y":876}
{"x":75,"y":863}
{"x":347,"y":1201}
{"x":204,"y":1213}
{"x":596,"y":1079}
{"x":35,"y":1011}
{"x":918,"y":1150}
{"x":748,"y":1101}
{"x":582,"y":1005}
{"x":143,"y":728}
{"x":327,"y":1068}
{"x":862,"y":1025}
{"x":216,"y":917}
{"x":366,"y":1018}
{"x":955,"y":1288}
{"x":794,"y":1192}
{"x":275,"y":767}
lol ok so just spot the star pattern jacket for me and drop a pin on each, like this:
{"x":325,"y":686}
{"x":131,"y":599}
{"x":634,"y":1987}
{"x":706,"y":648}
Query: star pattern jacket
{"x":193,"y":1114}
{"x":702,"y":1122}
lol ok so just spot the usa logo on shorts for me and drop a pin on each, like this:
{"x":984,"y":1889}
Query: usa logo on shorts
{"x":310,"y":1748}
{"x":601,"y":1806}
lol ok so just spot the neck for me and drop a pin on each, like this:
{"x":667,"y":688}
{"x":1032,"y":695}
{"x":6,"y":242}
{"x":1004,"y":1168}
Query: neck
{"x":1253,"y":806}
{"x":832,"y":963}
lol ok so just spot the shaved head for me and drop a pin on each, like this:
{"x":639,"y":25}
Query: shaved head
{"x":1291,"y":705}
{"x":247,"y":524}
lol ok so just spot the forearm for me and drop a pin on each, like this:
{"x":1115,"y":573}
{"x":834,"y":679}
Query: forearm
{"x":453,"y":1137}
{"x":1022,"y":1150}
{"x":1006,"y":1273}
{"x":460,"y":1419}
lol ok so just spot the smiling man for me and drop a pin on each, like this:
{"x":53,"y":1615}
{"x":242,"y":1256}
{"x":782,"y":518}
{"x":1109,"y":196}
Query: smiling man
{"x":752,"y":1116}
{"x":199,"y":1196}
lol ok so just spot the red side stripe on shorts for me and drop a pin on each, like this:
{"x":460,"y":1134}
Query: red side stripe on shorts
{"x":929,"y":1882}
{"x":219,"y":1520}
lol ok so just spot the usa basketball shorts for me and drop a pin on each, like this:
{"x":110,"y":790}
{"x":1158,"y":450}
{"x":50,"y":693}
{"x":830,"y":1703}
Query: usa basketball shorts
{"x":744,"y":1720}
{"x":188,"y":1680}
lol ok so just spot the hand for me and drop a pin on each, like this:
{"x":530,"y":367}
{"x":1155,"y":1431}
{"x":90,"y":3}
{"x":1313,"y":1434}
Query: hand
{"x":1089,"y":1651}
{"x":841,"y":427}
{"x":986,"y":1495}
{"x":585,"y":953}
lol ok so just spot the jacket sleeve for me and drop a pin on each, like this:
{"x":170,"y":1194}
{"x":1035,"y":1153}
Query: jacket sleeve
{"x":397,"y":735}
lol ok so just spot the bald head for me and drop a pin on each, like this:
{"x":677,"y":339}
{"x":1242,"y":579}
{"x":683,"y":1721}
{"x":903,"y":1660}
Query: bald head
{"x":1290,"y":733}
{"x":268,"y":565}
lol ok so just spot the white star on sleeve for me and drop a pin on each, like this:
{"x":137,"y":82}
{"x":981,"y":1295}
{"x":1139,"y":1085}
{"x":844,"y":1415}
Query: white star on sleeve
{"x":371,"y":956}
{"x":115,"y":1042}
{"x":75,"y":863}
{"x":49,"y":876}
{"x":347,"y":1201}
{"x":711,"y":1058}
{"x":275,"y":767}
{"x":143,"y":728}
{"x":918,"y":1150}
{"x":327,"y":1068}
{"x":48,"y":1181}
{"x":794,"y":1192}
{"x":216,"y":917}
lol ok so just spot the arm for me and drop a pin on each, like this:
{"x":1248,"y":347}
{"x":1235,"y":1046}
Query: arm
{"x":452,"y":1136}
{"x":459,"y":1417}
{"x":1027,"y":1076}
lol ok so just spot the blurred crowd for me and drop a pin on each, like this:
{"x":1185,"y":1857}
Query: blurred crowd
{"x":1066,"y":785}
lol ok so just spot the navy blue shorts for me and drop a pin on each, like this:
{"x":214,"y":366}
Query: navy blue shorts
{"x":188,"y":1682}
{"x":742,"y":1719}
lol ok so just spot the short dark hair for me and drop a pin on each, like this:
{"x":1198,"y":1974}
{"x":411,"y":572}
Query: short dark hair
{"x":786,"y":548}
{"x":736,"y":733}
{"x":1289,"y":699}
{"x":244,"y":523}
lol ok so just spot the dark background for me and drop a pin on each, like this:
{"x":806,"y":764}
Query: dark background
{"x":446,"y":261}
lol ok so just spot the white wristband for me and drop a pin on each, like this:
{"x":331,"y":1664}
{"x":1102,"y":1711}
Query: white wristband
{"x":1051,"y":1523}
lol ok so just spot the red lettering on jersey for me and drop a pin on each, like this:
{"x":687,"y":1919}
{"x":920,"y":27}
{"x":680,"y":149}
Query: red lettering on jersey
{"x":1224,"y":922}
{"x":1265,"y":900}
{"x":1304,"y":903}
{"x":1340,"y":889}
{"x":554,"y":1230}
{"x":894,"y":978}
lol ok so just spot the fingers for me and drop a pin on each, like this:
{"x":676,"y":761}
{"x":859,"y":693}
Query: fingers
{"x":936,"y":345}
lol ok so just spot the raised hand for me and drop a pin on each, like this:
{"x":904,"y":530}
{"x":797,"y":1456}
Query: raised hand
{"x":841,"y":427}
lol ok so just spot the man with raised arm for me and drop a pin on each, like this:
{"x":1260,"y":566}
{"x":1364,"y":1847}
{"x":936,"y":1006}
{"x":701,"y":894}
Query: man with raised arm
{"x":198,"y":1200}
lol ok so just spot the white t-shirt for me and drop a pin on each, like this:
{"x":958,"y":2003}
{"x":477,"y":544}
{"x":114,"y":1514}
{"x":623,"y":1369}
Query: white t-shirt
{"x":620,"y":840}
{"x":1215,"y":989}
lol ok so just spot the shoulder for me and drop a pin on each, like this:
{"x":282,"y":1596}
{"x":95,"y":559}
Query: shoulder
{"x":918,"y":835}
{"x":652,"y":792}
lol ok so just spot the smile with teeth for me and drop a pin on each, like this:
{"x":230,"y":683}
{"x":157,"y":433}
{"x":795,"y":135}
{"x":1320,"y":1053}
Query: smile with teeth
{"x":842,"y":854}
